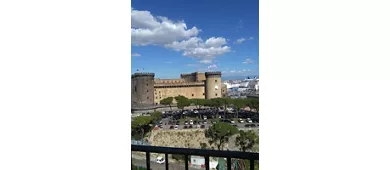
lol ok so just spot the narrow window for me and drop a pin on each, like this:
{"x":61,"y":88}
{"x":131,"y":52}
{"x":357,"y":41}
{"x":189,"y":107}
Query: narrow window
{"x":192,"y":94}
{"x":203,"y":94}
{"x":216,"y":94}
{"x":147,"y":90}
{"x":215,"y":80}
{"x":156,"y":103}
{"x":146,"y":84}
{"x":147,"y":97}
{"x":160,"y":97}
{"x":135,"y":88}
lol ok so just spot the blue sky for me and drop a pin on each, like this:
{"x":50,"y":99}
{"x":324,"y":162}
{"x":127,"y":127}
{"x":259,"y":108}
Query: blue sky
{"x":174,"y":36}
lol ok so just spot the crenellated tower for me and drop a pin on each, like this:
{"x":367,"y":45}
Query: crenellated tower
{"x":213,"y":85}
{"x":142,"y":88}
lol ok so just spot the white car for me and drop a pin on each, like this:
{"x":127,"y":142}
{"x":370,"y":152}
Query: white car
{"x":205,"y":118}
{"x":231,"y":121}
{"x":176,"y":126}
{"x":249,"y":120}
{"x":191,"y":122}
{"x":160,"y":160}
{"x":240,"y":120}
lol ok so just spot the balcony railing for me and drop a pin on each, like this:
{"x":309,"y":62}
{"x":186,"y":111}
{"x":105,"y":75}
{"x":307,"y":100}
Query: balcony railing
{"x":199,"y":152}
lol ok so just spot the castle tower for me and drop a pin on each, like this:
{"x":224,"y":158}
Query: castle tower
{"x":142,"y":88}
{"x":213,"y":85}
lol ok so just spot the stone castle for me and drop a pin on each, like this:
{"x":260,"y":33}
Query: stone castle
{"x":148,"y":91}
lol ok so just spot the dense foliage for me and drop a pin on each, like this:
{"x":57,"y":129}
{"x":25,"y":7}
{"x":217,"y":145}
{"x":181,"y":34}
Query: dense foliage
{"x":167,"y":101}
{"x":246,"y":140}
{"x":219,"y":133}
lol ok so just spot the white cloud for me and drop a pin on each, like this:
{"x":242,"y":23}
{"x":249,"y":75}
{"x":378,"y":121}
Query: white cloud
{"x":168,"y":62}
{"x":247,"y":61}
{"x":135,"y":55}
{"x":236,"y":71}
{"x":157,"y":30}
{"x":196,"y":47}
{"x":191,"y":65}
{"x":206,"y":61}
{"x":212,"y":66}
{"x":241,"y":40}
{"x":150,"y":30}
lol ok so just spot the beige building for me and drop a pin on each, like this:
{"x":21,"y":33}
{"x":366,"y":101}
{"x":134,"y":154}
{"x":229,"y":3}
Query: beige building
{"x":146,"y":90}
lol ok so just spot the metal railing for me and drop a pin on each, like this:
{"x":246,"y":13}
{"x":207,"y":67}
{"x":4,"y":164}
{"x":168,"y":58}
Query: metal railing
{"x":199,"y":152}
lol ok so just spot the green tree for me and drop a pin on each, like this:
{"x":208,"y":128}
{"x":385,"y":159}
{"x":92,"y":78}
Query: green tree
{"x":219,"y":133}
{"x":182,"y":102}
{"x":198,"y":102}
{"x":225,"y":103}
{"x":238,"y":104}
{"x":216,"y":103}
{"x":253,"y":104}
{"x":156,"y":116}
{"x":167,"y":102}
{"x":140,"y":125}
{"x":246,"y":140}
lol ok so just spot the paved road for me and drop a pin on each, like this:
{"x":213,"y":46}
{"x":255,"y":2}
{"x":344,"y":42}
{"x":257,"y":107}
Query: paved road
{"x":156,"y":166}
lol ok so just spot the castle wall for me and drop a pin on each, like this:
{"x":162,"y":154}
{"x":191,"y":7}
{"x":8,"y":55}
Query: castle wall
{"x":224,"y":90}
{"x":200,"y":76}
{"x":188,"y":77}
{"x":189,"y":92}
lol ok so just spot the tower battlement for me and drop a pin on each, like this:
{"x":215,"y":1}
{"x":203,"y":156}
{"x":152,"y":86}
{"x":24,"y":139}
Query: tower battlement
{"x":142,"y":75}
{"x":217,"y":73}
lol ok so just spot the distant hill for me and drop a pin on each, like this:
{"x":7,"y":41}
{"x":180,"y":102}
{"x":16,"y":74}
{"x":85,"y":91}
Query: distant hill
{"x":241,"y":77}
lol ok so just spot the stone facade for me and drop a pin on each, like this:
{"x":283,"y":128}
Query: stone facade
{"x":146,"y":90}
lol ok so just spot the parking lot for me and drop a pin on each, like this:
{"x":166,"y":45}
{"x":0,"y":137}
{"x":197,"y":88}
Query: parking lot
{"x":203,"y":118}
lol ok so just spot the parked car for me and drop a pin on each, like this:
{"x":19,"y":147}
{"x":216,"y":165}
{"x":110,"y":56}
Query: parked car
{"x":176,"y":126}
{"x":232,"y":121}
{"x":191,"y":122}
{"x":186,"y":122}
{"x":249,"y":120}
{"x":170,"y":127}
{"x":185,"y":127}
{"x":160,"y":160}
{"x":190,"y":127}
{"x":240,"y":120}
{"x":202,"y":126}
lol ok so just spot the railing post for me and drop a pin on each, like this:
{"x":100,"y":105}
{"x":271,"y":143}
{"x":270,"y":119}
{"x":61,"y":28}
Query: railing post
{"x":186,"y":161}
{"x":207,"y":162}
{"x":252,"y":167}
{"x":148,"y":160}
{"x":166,"y":161}
{"x":229,"y":163}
